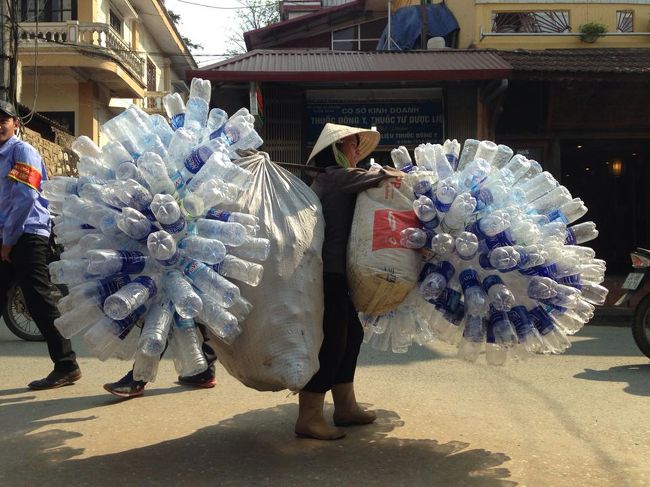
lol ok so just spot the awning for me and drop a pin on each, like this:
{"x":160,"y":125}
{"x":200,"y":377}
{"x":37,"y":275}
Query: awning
{"x":304,"y":65}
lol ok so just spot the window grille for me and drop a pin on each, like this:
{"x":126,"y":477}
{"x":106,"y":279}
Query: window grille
{"x":551,"y":21}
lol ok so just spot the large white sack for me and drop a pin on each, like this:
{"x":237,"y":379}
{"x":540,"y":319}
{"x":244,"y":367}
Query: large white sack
{"x":380,"y":271}
{"x":281,"y":337}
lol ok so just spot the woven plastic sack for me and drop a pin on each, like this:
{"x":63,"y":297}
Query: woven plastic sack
{"x":380,"y":271}
{"x":281,"y":337}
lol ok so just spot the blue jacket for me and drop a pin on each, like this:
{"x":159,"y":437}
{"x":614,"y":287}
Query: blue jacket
{"x":22,"y":207}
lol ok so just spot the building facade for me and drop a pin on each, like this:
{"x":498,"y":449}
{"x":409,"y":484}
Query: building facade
{"x":82,"y":61}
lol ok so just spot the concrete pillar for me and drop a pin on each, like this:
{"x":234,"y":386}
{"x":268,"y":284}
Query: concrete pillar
{"x":86,"y":10}
{"x":88,"y":123}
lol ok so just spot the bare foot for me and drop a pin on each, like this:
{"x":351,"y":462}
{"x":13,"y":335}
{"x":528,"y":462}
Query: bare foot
{"x":353,"y":417}
{"x":318,"y":429}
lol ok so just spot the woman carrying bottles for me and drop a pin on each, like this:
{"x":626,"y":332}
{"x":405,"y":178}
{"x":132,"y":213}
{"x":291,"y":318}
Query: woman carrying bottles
{"x":338,"y":150}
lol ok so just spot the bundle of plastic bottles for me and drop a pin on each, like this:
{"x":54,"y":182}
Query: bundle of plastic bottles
{"x":503,"y":269}
{"x":152,"y":240}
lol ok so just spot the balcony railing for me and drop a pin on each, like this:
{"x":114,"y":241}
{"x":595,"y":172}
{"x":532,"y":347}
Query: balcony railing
{"x":152,"y":102}
{"x":91,"y":35}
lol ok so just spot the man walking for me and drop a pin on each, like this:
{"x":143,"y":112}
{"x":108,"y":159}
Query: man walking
{"x":24,"y":236}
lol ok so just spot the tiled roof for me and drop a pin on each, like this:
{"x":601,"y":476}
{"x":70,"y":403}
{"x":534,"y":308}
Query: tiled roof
{"x":621,"y":61}
{"x":323,"y":65}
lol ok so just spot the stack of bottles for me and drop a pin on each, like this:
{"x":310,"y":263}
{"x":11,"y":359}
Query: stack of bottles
{"x":504,"y":271}
{"x":150,"y":237}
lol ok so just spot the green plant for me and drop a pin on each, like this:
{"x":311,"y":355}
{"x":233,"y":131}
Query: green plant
{"x":591,"y":31}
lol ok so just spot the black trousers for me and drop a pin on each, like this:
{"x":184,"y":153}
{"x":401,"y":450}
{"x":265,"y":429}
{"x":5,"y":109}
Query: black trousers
{"x":343,"y":335}
{"x":28,"y":267}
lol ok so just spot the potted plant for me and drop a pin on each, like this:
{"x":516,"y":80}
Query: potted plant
{"x":591,"y":31}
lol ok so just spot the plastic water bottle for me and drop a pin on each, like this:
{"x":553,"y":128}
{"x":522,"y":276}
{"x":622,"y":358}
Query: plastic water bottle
{"x":425,"y":210}
{"x":434,"y":279}
{"x":501,"y":298}
{"x":78,"y":318}
{"x":161,"y":128}
{"x":554,"y":340}
{"x":581,"y":233}
{"x":162,"y":247}
{"x":199,"y":156}
{"x":474,"y":173}
{"x":85,"y":146}
{"x":104,"y":262}
{"x":185,"y":345}
{"x":502,"y":156}
{"x":459,"y":212}
{"x":106,"y":337}
{"x":114,"y":154}
{"x":424,"y":158}
{"x":553,"y":199}
{"x":256,"y":249}
{"x":180,"y":147}
{"x":240,"y":270}
{"x":209,"y":281}
{"x":145,"y":367}
{"x":229,"y":233}
{"x":156,"y":327}
{"x":486,"y":150}
{"x":237,"y":127}
{"x":538,"y":186}
{"x":155,"y":173}
{"x":401,"y":158}
{"x":198,"y":103}
{"x":134,"y":195}
{"x":134,"y":224}
{"x":69,"y":271}
{"x":216,"y":119}
{"x":207,"y":250}
{"x":515,"y":169}
{"x":130,"y":297}
{"x":175,"y":108}
{"x":501,"y":337}
{"x":240,"y":309}
{"x":59,"y":186}
{"x":413,"y":238}
{"x":218,"y":166}
{"x":187,"y":302}
{"x":569,"y":211}
{"x":452,"y":151}
{"x":91,"y":166}
{"x":442,"y":165}
{"x":251,"y":222}
{"x":212,"y":192}
{"x":168,"y":213}
{"x":468,"y":153}
{"x":221,"y":322}
{"x":128,"y":170}
{"x":442,"y":244}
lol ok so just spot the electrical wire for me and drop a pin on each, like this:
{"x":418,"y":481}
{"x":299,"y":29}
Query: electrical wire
{"x":196,"y":4}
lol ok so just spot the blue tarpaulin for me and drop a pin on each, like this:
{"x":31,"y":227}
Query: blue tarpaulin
{"x":406,"y":26}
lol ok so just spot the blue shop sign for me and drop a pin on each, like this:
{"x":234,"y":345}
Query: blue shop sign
{"x":405,"y":122}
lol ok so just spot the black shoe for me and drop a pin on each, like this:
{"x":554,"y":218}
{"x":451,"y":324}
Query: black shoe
{"x":55,"y":379}
{"x":126,"y":387}
{"x":205,"y":380}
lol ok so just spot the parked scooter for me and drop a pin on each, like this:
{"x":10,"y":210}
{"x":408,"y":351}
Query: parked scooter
{"x":633,"y":283}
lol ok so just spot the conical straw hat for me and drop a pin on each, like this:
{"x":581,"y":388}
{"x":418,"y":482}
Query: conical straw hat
{"x":368,"y":139}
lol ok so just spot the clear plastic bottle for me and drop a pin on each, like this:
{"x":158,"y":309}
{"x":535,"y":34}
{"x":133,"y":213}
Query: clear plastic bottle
{"x":175,"y":108}
{"x":501,"y":298}
{"x":78,"y":318}
{"x":216,"y":120}
{"x":161,"y":128}
{"x":162,"y":247}
{"x":128,"y":170}
{"x":58,"y":187}
{"x":134,"y":224}
{"x":240,"y":309}
{"x":106,"y":262}
{"x":554,"y":340}
{"x":569,"y":212}
{"x":156,"y":327}
{"x":91,"y":166}
{"x":199,"y":156}
{"x":581,"y":233}
{"x":219,"y":166}
{"x":240,"y":270}
{"x":114,"y":154}
{"x":221,"y":322}
{"x":468,"y":153}
{"x":502,"y":156}
{"x":212,"y":192}
{"x":187,"y":302}
{"x":452,"y":151}
{"x":413,"y":238}
{"x":486,"y":150}
{"x":434,"y":279}
{"x":401,"y":158}
{"x":107,"y":337}
{"x":538,"y":186}
{"x":196,"y":109}
{"x":130,"y":297}
{"x":180,"y":147}
{"x":256,"y":249}
{"x":134,"y":195}
{"x":145,"y":367}
{"x":155,"y":173}
{"x":185,"y":345}
{"x":425,"y":210}
{"x":553,"y":199}
{"x":457,"y":216}
{"x":251,"y":222}
{"x":209,"y":281}
{"x":166,"y":210}
{"x":69,"y":271}
{"x":207,"y":250}
{"x":229,"y":233}
{"x":85,"y":146}
{"x":445,"y":195}
{"x":442,"y":164}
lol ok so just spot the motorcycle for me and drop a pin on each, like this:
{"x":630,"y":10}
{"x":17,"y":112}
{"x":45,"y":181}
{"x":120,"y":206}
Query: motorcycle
{"x":16,"y":316}
{"x":633,"y":283}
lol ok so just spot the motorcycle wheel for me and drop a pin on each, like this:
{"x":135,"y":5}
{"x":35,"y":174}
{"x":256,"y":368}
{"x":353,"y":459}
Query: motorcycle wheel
{"x":641,"y":326}
{"x":18,"y":319}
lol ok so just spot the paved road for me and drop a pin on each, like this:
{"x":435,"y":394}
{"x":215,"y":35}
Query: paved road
{"x":578,"y":419}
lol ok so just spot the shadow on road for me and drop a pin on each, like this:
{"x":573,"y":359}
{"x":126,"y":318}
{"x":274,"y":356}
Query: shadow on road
{"x":636,"y":376}
{"x":602,"y":341}
{"x":252,"y":448}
